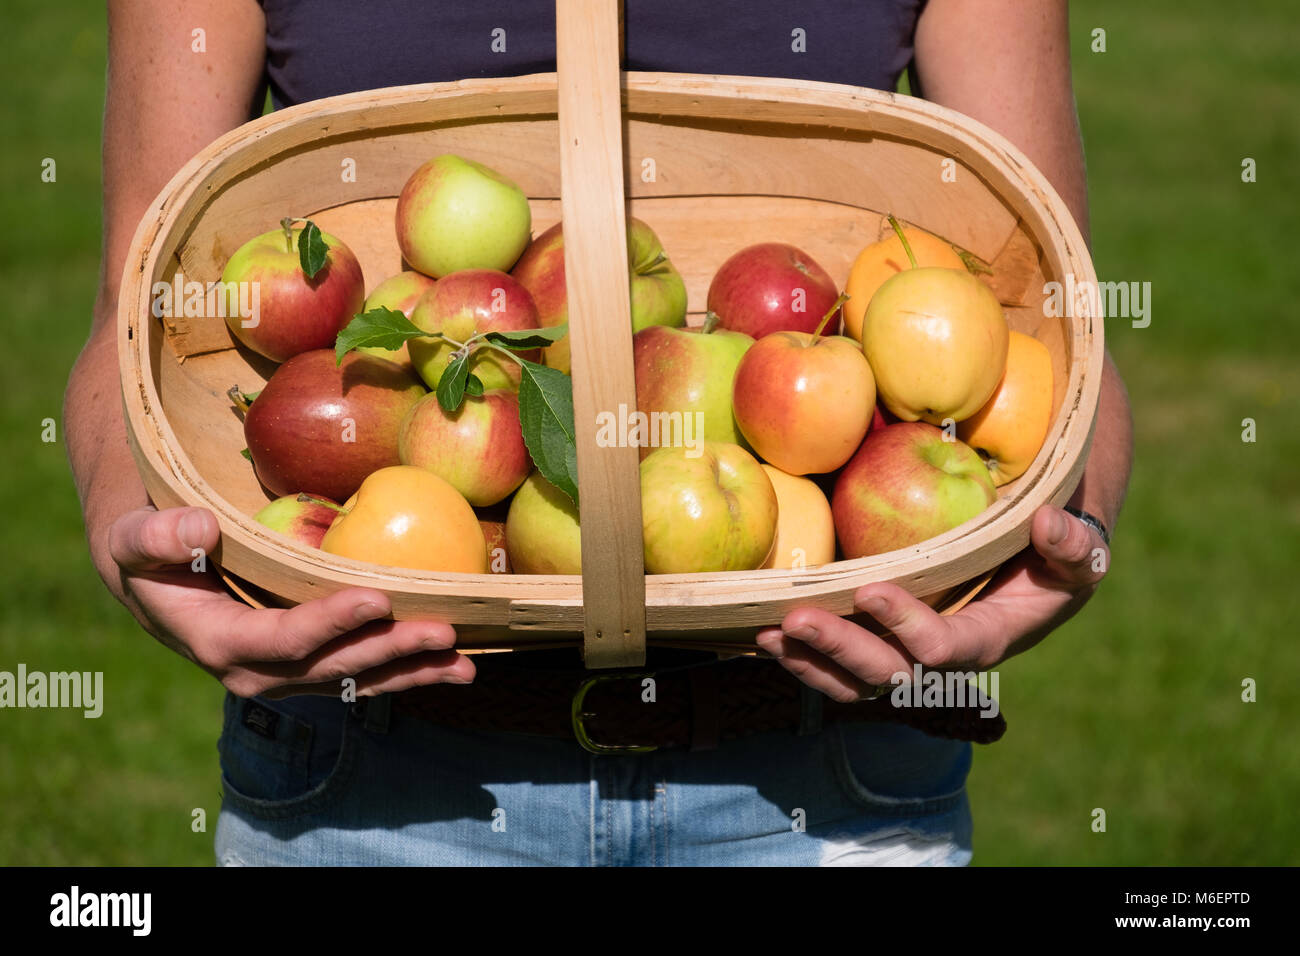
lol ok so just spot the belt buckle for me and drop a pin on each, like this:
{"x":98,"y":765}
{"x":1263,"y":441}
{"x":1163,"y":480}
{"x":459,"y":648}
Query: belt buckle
{"x":580,"y":716}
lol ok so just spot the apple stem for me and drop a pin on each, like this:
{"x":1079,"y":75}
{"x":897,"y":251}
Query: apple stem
{"x":504,"y":351}
{"x":907,"y":246}
{"x":844,"y":297}
{"x":287,"y":225}
{"x":711,"y":320}
{"x":239,"y":399}
{"x":304,"y":497}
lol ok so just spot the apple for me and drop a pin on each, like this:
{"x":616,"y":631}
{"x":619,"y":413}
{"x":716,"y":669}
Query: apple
{"x":454,"y":213}
{"x":304,"y":518}
{"x":716,"y":511}
{"x":478,"y":448}
{"x":542,"y":529}
{"x":689,"y":371}
{"x":462,"y":305}
{"x":1008,"y":431}
{"x":407,"y":517}
{"x":884,"y":259}
{"x":321,"y":428}
{"x":658,"y":293}
{"x":804,"y":401}
{"x":771,"y":287}
{"x":294,"y":314}
{"x":805,"y":529}
{"x":907,"y":483}
{"x":936,"y":339}
{"x":400,"y":293}
{"x":498,"y":554}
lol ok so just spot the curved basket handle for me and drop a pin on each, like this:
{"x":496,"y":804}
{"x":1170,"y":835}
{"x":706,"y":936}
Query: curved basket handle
{"x":600,"y":323}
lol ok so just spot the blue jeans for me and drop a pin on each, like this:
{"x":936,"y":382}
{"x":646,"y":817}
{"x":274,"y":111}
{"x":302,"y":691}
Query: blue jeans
{"x":314,"y":781}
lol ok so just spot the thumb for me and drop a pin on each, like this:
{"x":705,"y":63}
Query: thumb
{"x":148,"y":539}
{"x":1070,"y":546}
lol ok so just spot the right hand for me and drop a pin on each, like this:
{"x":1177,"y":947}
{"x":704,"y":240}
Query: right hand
{"x":273,"y":653}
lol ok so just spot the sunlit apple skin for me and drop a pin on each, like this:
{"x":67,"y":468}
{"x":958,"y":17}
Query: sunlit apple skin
{"x":543,"y":535}
{"x":454,"y":213}
{"x":400,"y":293}
{"x":884,"y":259}
{"x":498,"y":554}
{"x":804,"y":403}
{"x":937,"y":343}
{"x":1009,"y":430}
{"x":906,"y":484}
{"x":713,"y":512}
{"x":464,"y":304}
{"x":687,"y":371}
{"x":295,"y":314}
{"x":306,"y":521}
{"x":405,"y":517}
{"x":755,"y":291}
{"x":658,"y":293}
{"x":805,"y":529}
{"x":479,"y":448}
{"x":298,"y":431}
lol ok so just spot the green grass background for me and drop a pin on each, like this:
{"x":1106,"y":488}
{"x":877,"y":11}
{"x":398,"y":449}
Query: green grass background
{"x":1134,"y":707}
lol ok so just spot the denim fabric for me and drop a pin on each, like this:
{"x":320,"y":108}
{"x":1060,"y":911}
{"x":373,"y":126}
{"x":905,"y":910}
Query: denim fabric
{"x":314,"y":781}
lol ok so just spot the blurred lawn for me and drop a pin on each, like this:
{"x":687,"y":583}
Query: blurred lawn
{"x":1134,"y":707}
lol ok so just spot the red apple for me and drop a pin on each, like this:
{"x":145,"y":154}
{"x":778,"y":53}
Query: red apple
{"x":804,"y":401}
{"x":321,"y":428}
{"x":907,"y":484}
{"x":294,"y":314}
{"x":658,"y":293}
{"x":478,"y":448}
{"x":305,"y":518}
{"x":772,"y":287}
{"x":461,"y":305}
{"x":689,"y":374}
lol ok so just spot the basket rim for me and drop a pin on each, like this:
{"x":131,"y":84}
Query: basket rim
{"x":172,"y":479}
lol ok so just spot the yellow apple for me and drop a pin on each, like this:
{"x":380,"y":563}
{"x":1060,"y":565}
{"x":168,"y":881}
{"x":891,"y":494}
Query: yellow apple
{"x":406,"y":517}
{"x":936,"y":340}
{"x":883,"y":260}
{"x":805,"y":529}
{"x":1008,"y":431}
{"x":543,"y":535}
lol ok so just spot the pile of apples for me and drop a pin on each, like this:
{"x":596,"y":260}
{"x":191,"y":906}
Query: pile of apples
{"x":423,"y":426}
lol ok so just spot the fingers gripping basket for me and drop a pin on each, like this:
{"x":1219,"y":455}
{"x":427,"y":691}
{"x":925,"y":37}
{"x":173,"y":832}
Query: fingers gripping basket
{"x":713,"y":163}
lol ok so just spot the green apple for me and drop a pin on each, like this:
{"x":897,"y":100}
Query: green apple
{"x":455,"y":214}
{"x":715,"y":511}
{"x":542,"y":532}
{"x":689,"y":371}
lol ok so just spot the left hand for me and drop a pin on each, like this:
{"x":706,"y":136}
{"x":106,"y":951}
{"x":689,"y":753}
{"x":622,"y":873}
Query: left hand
{"x":1035,"y":592}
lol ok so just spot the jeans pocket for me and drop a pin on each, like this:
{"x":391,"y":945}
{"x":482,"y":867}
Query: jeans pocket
{"x":280,"y":760}
{"x":896,"y":771}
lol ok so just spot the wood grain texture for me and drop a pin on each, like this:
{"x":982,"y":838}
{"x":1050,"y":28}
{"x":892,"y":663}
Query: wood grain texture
{"x":737,"y":160}
{"x":600,"y":328}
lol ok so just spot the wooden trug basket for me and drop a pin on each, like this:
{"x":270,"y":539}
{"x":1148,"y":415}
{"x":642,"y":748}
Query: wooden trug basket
{"x":712,"y":163}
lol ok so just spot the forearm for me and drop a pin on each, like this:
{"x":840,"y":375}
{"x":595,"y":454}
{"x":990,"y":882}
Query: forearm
{"x":107,"y":481}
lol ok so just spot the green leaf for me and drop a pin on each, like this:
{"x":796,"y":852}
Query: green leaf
{"x":311,"y":250}
{"x":546,"y":417}
{"x":451,"y":386}
{"x":246,"y":453}
{"x":473,"y":385}
{"x":379,"y":328}
{"x":528,"y":338}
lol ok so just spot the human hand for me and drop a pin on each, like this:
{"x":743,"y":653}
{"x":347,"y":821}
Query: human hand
{"x":274,"y":653}
{"x":1033,"y":594}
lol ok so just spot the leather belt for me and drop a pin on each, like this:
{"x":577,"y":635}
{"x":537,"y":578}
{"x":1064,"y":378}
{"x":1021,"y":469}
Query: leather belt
{"x":693,"y":706}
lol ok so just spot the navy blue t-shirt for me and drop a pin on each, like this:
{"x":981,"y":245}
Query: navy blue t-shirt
{"x":325,"y":47}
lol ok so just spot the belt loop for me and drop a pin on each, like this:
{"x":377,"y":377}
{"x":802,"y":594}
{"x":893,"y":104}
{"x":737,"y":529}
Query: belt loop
{"x":375,"y":713}
{"x":810,"y":710}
